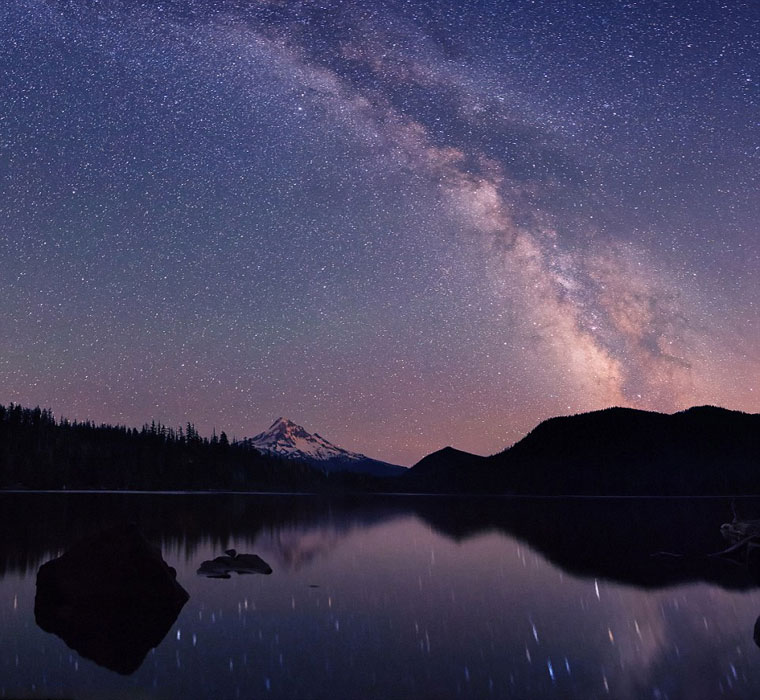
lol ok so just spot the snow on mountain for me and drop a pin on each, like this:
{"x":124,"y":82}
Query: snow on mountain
{"x":286,"y":439}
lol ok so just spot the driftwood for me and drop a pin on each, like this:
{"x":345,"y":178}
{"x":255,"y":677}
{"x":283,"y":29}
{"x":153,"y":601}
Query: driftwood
{"x":744,"y":536}
{"x":738,"y":530}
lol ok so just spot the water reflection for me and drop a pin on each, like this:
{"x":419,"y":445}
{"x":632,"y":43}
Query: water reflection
{"x":111,"y":597}
{"x":396,"y":598}
{"x":612,"y":539}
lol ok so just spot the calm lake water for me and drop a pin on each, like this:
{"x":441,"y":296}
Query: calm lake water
{"x":395,"y":597}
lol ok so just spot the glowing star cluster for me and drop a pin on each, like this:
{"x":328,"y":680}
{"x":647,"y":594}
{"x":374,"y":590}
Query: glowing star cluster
{"x":406,"y":224}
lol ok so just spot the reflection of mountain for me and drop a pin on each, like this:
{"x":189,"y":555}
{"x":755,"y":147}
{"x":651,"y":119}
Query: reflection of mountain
{"x":607,"y":538}
{"x":111,"y":598}
{"x":299,"y":544}
{"x":298,"y":547}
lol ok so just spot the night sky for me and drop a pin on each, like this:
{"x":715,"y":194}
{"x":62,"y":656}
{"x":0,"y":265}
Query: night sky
{"x":401,"y":224}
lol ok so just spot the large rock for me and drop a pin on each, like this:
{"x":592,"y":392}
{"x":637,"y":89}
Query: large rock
{"x":111,"y":598}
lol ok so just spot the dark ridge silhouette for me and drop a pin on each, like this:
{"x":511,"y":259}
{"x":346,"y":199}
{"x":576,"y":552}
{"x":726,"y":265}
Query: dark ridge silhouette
{"x":618,"y":451}
{"x":112,"y":598}
{"x":447,"y":466}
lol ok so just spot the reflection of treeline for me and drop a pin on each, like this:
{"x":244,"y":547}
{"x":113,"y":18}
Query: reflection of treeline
{"x":605,"y":538}
{"x":38,"y":452}
{"x":35,"y":527}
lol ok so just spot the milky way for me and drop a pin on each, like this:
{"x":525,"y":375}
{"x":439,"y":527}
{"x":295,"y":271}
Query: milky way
{"x":401,"y":224}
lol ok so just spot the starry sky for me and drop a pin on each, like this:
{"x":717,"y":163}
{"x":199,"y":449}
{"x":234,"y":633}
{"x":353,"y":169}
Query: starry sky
{"x":401,"y":224}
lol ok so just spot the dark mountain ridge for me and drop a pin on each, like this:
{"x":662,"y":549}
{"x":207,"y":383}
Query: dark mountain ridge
{"x":447,"y":466}
{"x":704,"y":450}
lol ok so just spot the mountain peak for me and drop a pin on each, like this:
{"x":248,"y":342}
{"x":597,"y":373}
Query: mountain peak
{"x":287,"y":429}
{"x":285,"y":438}
{"x":446,"y":460}
{"x":288,"y":440}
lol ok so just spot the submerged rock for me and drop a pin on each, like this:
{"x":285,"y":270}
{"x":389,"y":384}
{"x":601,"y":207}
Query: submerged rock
{"x":111,"y":597}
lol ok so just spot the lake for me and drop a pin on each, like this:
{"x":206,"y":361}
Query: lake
{"x":403,"y":597}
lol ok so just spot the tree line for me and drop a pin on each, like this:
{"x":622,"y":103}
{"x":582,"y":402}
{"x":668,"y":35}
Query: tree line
{"x":39,"y":452}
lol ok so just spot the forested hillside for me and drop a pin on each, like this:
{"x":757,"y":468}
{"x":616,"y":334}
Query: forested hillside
{"x":39,"y":452}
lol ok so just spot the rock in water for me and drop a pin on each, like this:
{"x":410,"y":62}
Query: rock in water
{"x":111,"y":598}
{"x":221,"y":567}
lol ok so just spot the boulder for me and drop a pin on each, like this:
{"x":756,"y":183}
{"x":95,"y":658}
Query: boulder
{"x":111,"y":598}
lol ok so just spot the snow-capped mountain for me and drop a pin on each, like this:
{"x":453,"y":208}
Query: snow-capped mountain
{"x":287,"y":440}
